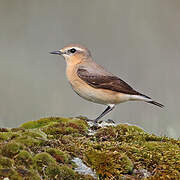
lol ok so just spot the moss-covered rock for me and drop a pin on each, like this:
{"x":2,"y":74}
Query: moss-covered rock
{"x":44,"y":149}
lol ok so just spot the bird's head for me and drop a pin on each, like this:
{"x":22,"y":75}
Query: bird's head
{"x":73,"y":52}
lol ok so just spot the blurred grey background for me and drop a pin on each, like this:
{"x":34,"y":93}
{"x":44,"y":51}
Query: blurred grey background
{"x":136,"y":40}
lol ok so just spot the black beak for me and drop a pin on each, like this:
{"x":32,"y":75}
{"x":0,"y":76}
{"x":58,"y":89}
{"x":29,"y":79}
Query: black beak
{"x":56,"y":52}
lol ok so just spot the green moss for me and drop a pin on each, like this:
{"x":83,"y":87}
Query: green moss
{"x":4,"y":129}
{"x":145,"y":150}
{"x":79,"y":124}
{"x":19,"y":174}
{"x":6,"y":136}
{"x":39,"y":123}
{"x":60,"y":172}
{"x":107,"y":133}
{"x":10,"y":149}
{"x":108,"y":163}
{"x":85,"y":177}
{"x":35,"y":133}
{"x":28,"y":174}
{"x":42,"y":160}
{"x":70,"y":144}
{"x":43,"y":149}
{"x":65,"y":127}
{"x":8,"y":172}
{"x":122,"y":133}
{"x":43,"y":122}
{"x":60,"y":156}
{"x":130,"y":133}
{"x":5,"y":162}
{"x":30,"y":139}
{"x":48,"y":167}
{"x":24,"y":158}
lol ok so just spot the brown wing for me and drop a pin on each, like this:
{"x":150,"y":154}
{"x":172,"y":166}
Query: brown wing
{"x":106,"y":82}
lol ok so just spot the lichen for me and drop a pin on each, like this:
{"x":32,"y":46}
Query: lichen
{"x":44,"y":149}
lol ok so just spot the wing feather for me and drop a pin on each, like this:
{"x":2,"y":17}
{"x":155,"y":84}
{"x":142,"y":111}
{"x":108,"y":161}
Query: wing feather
{"x":98,"y":80}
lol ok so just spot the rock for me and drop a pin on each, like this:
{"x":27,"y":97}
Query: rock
{"x":82,"y":168}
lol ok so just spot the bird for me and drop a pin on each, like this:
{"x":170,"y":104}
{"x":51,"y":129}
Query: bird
{"x":94,"y":83}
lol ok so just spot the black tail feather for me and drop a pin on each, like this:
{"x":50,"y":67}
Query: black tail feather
{"x":155,"y":103}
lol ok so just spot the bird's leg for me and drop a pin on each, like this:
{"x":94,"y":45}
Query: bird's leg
{"x":107,"y":110}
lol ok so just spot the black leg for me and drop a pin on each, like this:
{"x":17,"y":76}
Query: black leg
{"x":107,"y":110}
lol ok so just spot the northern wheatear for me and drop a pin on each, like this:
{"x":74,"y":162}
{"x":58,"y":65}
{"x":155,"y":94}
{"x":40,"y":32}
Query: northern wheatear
{"x":93,"y":83}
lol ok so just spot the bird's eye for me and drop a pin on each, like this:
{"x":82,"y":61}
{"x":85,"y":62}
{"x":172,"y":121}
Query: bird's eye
{"x":72,"y":50}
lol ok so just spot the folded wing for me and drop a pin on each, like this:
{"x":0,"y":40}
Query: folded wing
{"x":98,"y":80}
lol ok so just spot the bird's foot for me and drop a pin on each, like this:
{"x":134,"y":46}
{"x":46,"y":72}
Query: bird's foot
{"x":94,"y":124}
{"x":110,"y":121}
